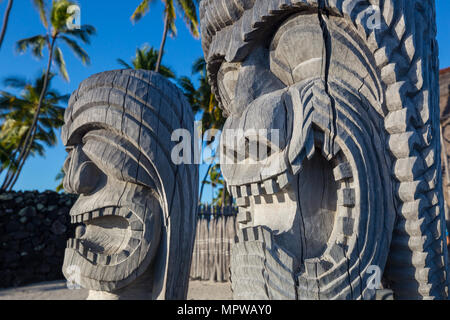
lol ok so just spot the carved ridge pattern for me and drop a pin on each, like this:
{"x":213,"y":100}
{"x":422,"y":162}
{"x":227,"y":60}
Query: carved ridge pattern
{"x":255,"y":249}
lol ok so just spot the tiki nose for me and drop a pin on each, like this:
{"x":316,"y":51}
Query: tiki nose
{"x":82,"y":175}
{"x":86,"y":178}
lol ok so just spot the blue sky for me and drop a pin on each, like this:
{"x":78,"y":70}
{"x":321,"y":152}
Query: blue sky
{"x":116,"y":38}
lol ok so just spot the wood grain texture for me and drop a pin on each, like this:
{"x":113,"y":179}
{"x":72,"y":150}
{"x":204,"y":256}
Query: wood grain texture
{"x":138,"y":215}
{"x":366,"y":99}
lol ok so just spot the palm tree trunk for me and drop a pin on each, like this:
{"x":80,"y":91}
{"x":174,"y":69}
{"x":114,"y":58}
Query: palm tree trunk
{"x":19,"y":169}
{"x":5,"y":21}
{"x":10,"y":169}
{"x":31,"y":133}
{"x":163,"y":42}
{"x":224,"y":194}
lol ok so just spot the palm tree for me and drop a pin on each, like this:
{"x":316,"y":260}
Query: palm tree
{"x":56,"y":29}
{"x":146,"y":58}
{"x":216,"y":180}
{"x":17,"y":115}
{"x":60,"y":177}
{"x":189,"y":11}
{"x":5,"y":21}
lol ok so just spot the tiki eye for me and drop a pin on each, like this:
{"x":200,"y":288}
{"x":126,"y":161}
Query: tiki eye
{"x":227,"y":81}
{"x":296,"y":51}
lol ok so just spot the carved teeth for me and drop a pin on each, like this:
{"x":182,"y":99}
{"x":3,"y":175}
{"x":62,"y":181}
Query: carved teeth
{"x":80,"y":231}
{"x":343,"y":171}
{"x":123,"y":255}
{"x":267,"y":187}
{"x":242,"y":202}
{"x":136,"y":234}
{"x":244,"y":216}
{"x":95,"y":214}
{"x":256,"y":189}
{"x":246,"y":191}
{"x":235,"y":191}
{"x":346,"y":198}
{"x":112,"y":259}
{"x":102,"y":259}
{"x":110,"y":211}
{"x":284,"y":179}
{"x":76,"y":244}
{"x":271,"y":186}
{"x":133,"y":244}
{"x":82,"y":249}
{"x":136,"y":225}
{"x":91,"y":255}
{"x":70,"y":243}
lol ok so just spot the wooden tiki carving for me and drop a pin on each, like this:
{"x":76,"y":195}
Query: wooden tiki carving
{"x":136,"y":209}
{"x":342,"y":95}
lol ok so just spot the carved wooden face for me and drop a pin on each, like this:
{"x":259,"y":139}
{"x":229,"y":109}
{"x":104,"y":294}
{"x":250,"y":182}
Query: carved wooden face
{"x":119,"y":220}
{"x":260,"y":94}
{"x":135,"y":204}
{"x":314,"y":83}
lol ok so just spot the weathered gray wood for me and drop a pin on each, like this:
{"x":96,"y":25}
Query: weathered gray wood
{"x":137,"y":206}
{"x":359,"y":92}
{"x":212,"y":251}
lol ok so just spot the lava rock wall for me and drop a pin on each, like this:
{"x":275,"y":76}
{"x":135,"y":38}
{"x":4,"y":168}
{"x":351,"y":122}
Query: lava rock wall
{"x":34,"y":228}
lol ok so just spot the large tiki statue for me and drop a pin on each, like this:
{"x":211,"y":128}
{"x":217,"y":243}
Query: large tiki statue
{"x":350,"y":188}
{"x":136,"y":209}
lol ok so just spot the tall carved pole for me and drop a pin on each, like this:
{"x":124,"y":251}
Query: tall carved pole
{"x":137,"y":208}
{"x":350,"y":186}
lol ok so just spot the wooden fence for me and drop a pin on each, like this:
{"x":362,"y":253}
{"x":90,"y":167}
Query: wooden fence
{"x":216,"y":229}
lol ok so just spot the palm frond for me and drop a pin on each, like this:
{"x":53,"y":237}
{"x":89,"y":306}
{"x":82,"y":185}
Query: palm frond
{"x":145,"y":59}
{"x":17,"y":113}
{"x":172,"y":16}
{"x":36,"y":43}
{"x":40,"y":5}
{"x":15,"y":82}
{"x":199,"y":66}
{"x":189,"y":10}
{"x":124,"y":64}
{"x":83,"y":33}
{"x":59,"y":14}
{"x":59,"y":60}
{"x":77,"y":50}
{"x":167,"y":72}
{"x":141,"y":10}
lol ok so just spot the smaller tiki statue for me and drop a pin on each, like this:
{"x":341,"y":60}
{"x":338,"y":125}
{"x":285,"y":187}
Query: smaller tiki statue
{"x":136,"y":211}
{"x":342,"y":195}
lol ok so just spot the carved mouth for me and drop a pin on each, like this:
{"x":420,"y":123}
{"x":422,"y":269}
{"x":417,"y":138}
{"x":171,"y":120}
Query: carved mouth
{"x":106,"y":236}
